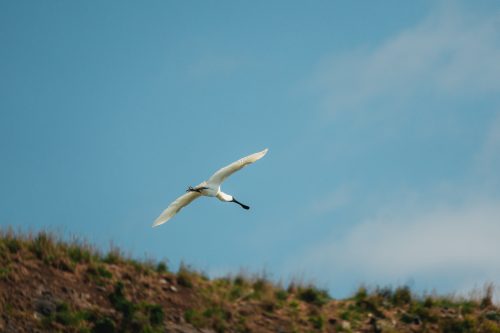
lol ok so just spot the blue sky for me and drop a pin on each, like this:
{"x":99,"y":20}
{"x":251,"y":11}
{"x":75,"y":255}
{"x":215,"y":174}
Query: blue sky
{"x":382,"y":120}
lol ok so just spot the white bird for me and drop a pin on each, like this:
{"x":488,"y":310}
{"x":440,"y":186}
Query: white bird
{"x":209,"y":188}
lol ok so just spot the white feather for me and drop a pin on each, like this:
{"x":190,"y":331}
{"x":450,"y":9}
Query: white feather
{"x":209,"y":188}
{"x":220,"y":175}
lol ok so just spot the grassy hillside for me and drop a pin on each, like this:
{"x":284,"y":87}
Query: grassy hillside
{"x":48,"y":285}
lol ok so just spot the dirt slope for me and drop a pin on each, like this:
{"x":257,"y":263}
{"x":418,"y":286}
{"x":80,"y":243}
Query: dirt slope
{"x":47,"y":285}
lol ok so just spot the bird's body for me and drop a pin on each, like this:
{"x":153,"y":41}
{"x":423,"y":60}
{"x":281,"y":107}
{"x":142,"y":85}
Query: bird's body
{"x":209,"y":188}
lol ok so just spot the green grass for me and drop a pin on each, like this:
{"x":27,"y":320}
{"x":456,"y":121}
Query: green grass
{"x":44,"y":247}
{"x":4,"y":273}
{"x":71,"y":319}
{"x":231,"y":303}
{"x":136,"y":317}
{"x":317,"y":321}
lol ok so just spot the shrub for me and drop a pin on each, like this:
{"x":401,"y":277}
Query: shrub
{"x":370,"y":305}
{"x":120,"y":303}
{"x":102,"y":271}
{"x":143,"y":317}
{"x":65,"y":316}
{"x":240,"y":280}
{"x":313,"y":295}
{"x":423,"y":312}
{"x":65,"y":264}
{"x":12,"y":244}
{"x":317,"y":322}
{"x":361,"y":294}
{"x":385,"y":293}
{"x":195,"y":318}
{"x":281,"y":294}
{"x":268,"y":305}
{"x":222,"y":282}
{"x":294,"y":305}
{"x":493,"y":316}
{"x":162,"y":267}
{"x":467,"y":307}
{"x":260,"y":287}
{"x":236,"y":292}
{"x":402,"y":296}
{"x":139,"y":267}
{"x":104,"y":325}
{"x":352,"y":313}
{"x":452,"y":325}
{"x":4,"y":273}
{"x":185,"y":276}
{"x":429,"y":302}
{"x":408,"y":318}
{"x":218,"y":317}
{"x":155,"y":314}
{"x":487,"y":299}
{"x":446,"y":302}
{"x":490,"y":327}
{"x":114,"y":256}
{"x":98,"y":271}
{"x":78,"y":254}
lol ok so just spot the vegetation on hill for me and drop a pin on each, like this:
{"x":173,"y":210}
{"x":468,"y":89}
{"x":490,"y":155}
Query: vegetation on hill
{"x":51,"y":285}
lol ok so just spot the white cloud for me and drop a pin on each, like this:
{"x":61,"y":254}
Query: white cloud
{"x":451,"y":54}
{"x":456,"y":243}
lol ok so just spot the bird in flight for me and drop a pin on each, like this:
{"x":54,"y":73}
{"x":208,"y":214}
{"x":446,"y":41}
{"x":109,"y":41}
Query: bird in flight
{"x":209,"y":188}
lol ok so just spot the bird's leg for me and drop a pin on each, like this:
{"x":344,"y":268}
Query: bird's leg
{"x":192,"y":189}
{"x":239,"y":203}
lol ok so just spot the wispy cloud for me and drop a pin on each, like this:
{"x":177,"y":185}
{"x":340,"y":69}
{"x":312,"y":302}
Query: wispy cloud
{"x":430,"y":76}
{"x":448,"y":55}
{"x":455,"y":243}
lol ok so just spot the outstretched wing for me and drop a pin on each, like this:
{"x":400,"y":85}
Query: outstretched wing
{"x":175,"y":207}
{"x":218,"y":177}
